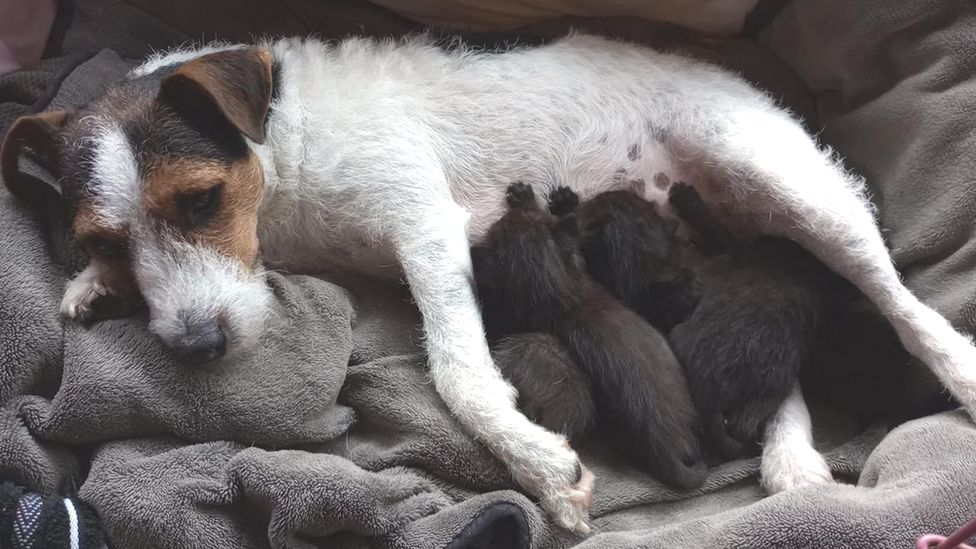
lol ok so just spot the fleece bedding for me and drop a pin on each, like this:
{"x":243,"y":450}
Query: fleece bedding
{"x":332,"y":435}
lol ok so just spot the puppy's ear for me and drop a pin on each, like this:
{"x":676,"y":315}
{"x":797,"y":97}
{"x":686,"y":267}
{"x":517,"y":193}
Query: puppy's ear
{"x":236,"y":82}
{"x":37,"y":133}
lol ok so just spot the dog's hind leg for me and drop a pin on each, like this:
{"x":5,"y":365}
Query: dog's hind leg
{"x":789,"y":459}
{"x":778,"y":180}
{"x":433,"y":249}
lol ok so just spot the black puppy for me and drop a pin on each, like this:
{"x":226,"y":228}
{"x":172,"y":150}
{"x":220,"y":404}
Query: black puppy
{"x":744,"y":340}
{"x":531,"y":278}
{"x":552,"y":390}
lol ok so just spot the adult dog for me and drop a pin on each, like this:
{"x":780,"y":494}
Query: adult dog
{"x":393,"y":156}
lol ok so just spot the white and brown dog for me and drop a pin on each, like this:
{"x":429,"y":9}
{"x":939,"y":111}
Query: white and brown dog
{"x":393,"y":157}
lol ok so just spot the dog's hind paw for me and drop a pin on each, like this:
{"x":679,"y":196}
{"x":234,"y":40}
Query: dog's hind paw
{"x":562,"y":201}
{"x":520,"y":195}
{"x":786,"y":467}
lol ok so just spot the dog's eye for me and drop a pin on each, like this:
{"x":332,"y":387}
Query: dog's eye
{"x":199,"y":207}
{"x":107,"y":249}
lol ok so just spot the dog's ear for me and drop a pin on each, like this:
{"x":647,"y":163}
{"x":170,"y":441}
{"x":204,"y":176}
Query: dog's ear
{"x":237,"y":83}
{"x":37,"y":133}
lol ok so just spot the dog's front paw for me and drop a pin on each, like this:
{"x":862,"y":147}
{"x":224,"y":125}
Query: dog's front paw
{"x":87,"y":297}
{"x":520,"y":195}
{"x":562,"y":201}
{"x":787,"y":466}
{"x":563,"y":485}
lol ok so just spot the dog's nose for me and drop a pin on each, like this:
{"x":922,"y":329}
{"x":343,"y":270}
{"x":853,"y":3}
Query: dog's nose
{"x":201,"y":343}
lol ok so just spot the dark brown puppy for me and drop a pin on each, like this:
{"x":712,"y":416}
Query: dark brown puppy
{"x":552,"y":390}
{"x":531,"y":278}
{"x":743,"y":343}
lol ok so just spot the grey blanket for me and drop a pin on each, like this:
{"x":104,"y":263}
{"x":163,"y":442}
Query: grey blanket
{"x":332,"y":436}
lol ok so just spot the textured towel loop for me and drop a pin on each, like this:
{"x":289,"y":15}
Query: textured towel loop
{"x":955,"y":541}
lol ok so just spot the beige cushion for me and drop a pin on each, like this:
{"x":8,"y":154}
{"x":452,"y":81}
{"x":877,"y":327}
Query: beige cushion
{"x":715,"y":17}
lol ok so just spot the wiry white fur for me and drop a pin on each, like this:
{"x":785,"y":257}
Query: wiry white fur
{"x":182,"y":54}
{"x":186,"y":285}
{"x":118,"y":196}
{"x":395,"y":155}
{"x":789,"y":459}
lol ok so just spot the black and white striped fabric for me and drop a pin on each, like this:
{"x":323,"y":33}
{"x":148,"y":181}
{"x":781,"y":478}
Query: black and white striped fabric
{"x":29,"y":520}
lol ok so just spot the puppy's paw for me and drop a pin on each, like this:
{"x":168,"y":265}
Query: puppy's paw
{"x":789,"y":465}
{"x":681,"y":191}
{"x":562,"y":201}
{"x":520,"y":195}
{"x":563,"y":485}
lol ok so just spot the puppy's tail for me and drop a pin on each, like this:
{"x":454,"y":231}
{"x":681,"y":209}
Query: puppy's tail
{"x":640,"y":389}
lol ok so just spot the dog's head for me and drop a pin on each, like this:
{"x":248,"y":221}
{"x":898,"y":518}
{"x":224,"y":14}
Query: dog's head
{"x":164,"y":191}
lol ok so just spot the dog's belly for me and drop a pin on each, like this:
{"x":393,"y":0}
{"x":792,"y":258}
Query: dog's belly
{"x":643,"y":167}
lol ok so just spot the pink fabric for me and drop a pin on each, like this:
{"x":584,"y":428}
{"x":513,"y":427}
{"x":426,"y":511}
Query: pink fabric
{"x":24,"y":26}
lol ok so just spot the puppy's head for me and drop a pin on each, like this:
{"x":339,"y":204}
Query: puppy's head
{"x":164,"y":192}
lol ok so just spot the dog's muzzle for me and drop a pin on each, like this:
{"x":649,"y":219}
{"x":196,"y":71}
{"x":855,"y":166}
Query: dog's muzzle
{"x":201,"y":343}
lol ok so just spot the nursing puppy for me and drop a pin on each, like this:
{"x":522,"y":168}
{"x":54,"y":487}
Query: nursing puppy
{"x":552,"y":390}
{"x":203,"y":166}
{"x":531,"y":278}
{"x":755,"y":325}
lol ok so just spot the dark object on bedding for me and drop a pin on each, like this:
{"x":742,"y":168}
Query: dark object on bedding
{"x":552,"y":391}
{"x":531,"y":278}
{"x":28,"y":520}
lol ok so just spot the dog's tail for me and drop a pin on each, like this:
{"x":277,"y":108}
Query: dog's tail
{"x":640,"y":389}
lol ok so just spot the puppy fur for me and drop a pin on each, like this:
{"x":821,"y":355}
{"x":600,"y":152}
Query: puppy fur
{"x":861,"y":369}
{"x":754,"y":327}
{"x":531,"y":277}
{"x":392,"y":157}
{"x":552,"y":390}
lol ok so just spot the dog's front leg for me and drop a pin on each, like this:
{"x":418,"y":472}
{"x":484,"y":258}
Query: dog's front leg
{"x":433,"y":250}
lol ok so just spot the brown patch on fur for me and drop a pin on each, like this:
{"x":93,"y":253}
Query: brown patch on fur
{"x":237,"y":82}
{"x":95,"y":238}
{"x":662,"y":181}
{"x":34,"y":132}
{"x":232,"y":230}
